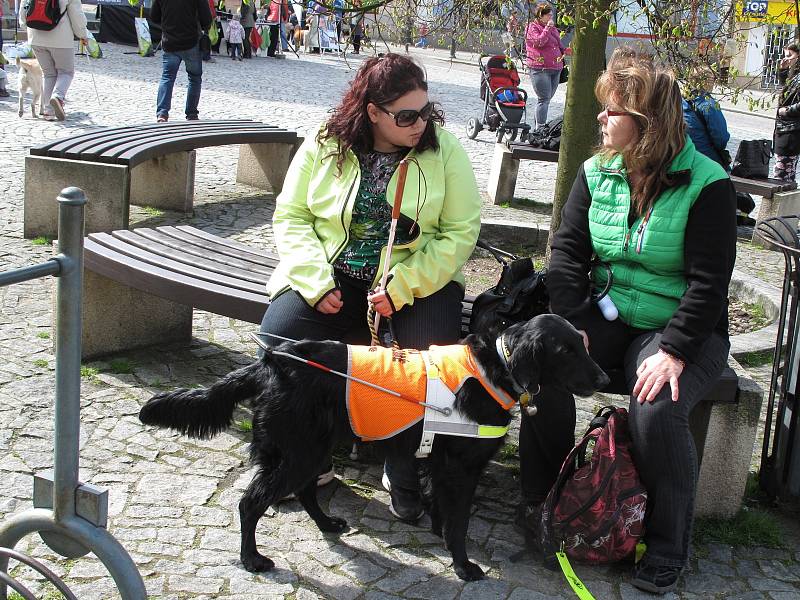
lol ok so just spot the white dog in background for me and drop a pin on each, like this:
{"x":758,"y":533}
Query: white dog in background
{"x":30,"y":78}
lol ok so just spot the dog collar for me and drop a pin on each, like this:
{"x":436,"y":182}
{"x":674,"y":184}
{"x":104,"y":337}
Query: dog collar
{"x":502,"y":351}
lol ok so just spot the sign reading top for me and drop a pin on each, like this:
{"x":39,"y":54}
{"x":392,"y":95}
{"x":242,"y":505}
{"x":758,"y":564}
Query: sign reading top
{"x":755,"y":8}
{"x":770,"y":11}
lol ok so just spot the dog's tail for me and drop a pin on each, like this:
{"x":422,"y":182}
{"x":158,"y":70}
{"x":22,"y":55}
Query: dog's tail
{"x":204,"y":412}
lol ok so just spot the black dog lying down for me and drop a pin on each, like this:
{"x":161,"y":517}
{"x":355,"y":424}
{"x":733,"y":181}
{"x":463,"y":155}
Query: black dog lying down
{"x":300,"y":414}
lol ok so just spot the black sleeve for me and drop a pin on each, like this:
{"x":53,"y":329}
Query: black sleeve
{"x":570,"y":255}
{"x":709,"y":256}
{"x":204,"y":14}
{"x":792,"y":110}
{"x":155,"y":11}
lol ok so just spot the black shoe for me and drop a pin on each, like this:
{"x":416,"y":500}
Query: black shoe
{"x":404,"y":504}
{"x":655,"y":579}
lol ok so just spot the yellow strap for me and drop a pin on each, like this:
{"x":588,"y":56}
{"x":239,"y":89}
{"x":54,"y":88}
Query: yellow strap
{"x":491,"y":431}
{"x":641,"y":548}
{"x":575,"y":583}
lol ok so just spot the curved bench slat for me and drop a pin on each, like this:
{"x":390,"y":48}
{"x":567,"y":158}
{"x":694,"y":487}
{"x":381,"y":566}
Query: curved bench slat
{"x":56,"y":147}
{"x":136,"y":153}
{"x":228,"y":280}
{"x":193,"y":255}
{"x":93,"y":148}
{"x":229,"y":242}
{"x":213,"y":243}
{"x":177,"y":287}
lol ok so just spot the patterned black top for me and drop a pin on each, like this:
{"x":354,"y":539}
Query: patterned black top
{"x":372,"y":216}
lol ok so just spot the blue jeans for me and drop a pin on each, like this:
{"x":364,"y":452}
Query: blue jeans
{"x":545,"y":84}
{"x":194,"y":69}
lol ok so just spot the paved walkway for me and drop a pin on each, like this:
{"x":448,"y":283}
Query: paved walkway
{"x":173,"y":500}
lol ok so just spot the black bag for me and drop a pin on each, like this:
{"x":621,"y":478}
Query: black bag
{"x":205,"y":44}
{"x":519,"y":295}
{"x":547,"y":136}
{"x":752,"y":159}
{"x":564,"y":75}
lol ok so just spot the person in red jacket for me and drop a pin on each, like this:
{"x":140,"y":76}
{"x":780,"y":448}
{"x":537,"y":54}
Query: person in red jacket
{"x":278,"y":13}
{"x":545,"y":58}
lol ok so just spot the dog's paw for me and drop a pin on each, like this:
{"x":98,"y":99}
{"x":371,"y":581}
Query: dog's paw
{"x":257,"y":563}
{"x":332,"y":525}
{"x":468,"y":571}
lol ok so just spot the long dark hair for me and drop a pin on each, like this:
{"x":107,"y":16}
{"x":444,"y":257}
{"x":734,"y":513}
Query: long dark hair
{"x":380,"y":81}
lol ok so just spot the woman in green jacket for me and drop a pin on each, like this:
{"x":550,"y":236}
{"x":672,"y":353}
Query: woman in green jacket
{"x":662,"y":216}
{"x":331,"y":227}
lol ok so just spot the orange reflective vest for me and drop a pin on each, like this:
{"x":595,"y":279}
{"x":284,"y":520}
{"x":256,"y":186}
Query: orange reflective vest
{"x":376,"y":415}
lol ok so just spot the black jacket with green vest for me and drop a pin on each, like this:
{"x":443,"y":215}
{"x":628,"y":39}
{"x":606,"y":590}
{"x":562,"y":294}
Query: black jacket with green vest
{"x":672,"y":267}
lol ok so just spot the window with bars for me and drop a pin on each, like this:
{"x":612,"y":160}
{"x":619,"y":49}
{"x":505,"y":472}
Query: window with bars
{"x":778,"y":37}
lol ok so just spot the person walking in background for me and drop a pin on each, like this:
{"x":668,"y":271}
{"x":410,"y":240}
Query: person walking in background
{"x":357,"y":26}
{"x":55,"y":51}
{"x":338,"y":13}
{"x":248,"y":21}
{"x":235,"y":37}
{"x":786,"y":142}
{"x":181,"y":22}
{"x":3,"y":77}
{"x":545,"y":58}
{"x":278,"y":13}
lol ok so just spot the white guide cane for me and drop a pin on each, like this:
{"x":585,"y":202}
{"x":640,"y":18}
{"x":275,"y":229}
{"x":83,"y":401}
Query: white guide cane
{"x":398,"y":199}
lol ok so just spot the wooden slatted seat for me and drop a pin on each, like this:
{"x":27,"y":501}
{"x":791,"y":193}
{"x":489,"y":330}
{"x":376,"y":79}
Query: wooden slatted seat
{"x":141,"y":285}
{"x":154,"y":277}
{"x":150,"y":164}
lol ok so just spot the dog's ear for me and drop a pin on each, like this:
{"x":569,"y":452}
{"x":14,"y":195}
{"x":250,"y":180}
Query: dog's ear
{"x":525,"y":362}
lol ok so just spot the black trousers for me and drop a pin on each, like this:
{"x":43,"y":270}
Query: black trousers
{"x":664,"y":450}
{"x":435,"y":319}
{"x":274,"y":39}
{"x":248,"y":51}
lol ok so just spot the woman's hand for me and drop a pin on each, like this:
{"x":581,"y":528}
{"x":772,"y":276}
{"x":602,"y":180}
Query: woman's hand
{"x":782,"y":111}
{"x":331,"y":303}
{"x":380,"y":300}
{"x":654,"y":372}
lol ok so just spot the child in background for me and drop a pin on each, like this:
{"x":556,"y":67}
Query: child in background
{"x":235,"y":37}
{"x":423,"y":36}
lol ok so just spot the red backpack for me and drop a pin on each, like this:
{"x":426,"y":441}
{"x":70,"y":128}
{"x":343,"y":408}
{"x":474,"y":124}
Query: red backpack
{"x":596,"y":507}
{"x":43,"y":14}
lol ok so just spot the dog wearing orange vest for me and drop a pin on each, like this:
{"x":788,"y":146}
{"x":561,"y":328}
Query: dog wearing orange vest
{"x":301,"y":412}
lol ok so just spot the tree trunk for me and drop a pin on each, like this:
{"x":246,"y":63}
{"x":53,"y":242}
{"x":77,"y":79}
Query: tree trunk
{"x":579,"y":134}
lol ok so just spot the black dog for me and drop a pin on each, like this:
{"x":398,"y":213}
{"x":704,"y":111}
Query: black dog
{"x":300,"y":414}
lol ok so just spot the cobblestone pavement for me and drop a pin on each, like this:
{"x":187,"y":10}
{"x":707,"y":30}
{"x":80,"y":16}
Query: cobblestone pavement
{"x":173,"y":500}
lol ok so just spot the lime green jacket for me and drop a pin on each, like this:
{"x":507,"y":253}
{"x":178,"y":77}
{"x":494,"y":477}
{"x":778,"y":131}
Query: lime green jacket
{"x":312,"y":221}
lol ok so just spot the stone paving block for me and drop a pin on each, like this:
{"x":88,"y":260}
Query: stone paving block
{"x":772,"y":585}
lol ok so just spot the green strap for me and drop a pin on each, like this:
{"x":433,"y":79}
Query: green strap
{"x":575,"y":583}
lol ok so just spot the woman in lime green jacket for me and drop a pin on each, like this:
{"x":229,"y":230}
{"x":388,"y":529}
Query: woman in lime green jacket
{"x":331,"y":227}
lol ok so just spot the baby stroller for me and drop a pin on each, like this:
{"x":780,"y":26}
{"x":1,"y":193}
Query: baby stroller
{"x":503,"y":100}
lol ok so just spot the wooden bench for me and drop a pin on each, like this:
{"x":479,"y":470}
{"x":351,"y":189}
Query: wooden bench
{"x":778,"y":197}
{"x":141,"y":285}
{"x":150,"y":164}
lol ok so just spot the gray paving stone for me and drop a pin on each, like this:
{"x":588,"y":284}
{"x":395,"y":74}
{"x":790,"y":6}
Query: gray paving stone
{"x":775,"y":569}
{"x":715,"y":568}
{"x":439,"y":586}
{"x":486,"y":589}
{"x":771,"y":585}
{"x":784,"y":595}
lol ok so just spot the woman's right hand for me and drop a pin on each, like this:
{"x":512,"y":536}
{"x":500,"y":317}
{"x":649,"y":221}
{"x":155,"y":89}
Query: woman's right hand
{"x":331,"y":303}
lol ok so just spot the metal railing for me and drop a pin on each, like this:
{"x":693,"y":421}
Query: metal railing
{"x":779,"y":474}
{"x":70,"y":516}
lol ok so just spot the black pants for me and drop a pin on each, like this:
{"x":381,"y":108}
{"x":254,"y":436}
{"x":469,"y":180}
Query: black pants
{"x":664,"y":450}
{"x":435,"y":319}
{"x":248,"y":51}
{"x":274,"y":39}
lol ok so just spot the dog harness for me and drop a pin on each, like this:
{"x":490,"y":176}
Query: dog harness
{"x":431,"y":376}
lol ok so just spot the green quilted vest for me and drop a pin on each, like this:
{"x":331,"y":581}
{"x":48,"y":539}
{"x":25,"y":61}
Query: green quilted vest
{"x":647,"y":258}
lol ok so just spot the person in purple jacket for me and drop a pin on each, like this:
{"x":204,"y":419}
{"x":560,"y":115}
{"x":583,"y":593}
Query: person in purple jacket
{"x":545,"y":58}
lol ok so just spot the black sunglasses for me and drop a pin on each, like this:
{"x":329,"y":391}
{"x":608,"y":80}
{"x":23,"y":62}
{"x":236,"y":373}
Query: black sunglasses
{"x":406,"y":118}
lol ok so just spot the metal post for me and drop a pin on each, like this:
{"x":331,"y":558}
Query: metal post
{"x":68,"y":351}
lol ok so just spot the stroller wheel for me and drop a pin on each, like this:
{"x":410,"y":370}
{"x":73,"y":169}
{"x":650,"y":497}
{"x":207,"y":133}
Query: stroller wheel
{"x":512,"y":135}
{"x":474,"y":127}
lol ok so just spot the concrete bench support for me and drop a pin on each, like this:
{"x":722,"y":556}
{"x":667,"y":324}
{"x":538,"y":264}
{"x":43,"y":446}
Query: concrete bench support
{"x":727,"y":450}
{"x":107,"y":185}
{"x":165,"y":182}
{"x":117,"y":318}
{"x":264,"y":165}
{"x":503,"y":175}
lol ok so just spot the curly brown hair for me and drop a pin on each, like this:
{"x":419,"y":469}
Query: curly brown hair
{"x":380,"y":81}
